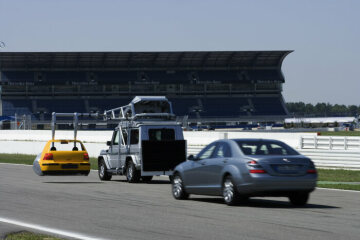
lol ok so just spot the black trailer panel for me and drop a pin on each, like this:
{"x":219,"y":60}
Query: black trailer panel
{"x":163,"y":155}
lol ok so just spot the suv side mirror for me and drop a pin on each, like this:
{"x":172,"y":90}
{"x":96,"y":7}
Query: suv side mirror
{"x":108,"y":143}
{"x":191,"y":157}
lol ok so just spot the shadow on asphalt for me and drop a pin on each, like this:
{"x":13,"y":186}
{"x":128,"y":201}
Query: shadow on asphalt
{"x":75,"y":182}
{"x":152,"y":182}
{"x":263,"y":203}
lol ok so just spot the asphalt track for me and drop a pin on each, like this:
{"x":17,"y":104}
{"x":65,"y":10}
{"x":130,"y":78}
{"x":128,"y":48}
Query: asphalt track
{"x":119,"y":210}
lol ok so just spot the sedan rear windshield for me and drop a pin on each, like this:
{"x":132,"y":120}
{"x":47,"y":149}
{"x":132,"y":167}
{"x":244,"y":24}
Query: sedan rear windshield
{"x":265,"y":148}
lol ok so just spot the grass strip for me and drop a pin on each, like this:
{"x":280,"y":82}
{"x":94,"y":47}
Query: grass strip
{"x":30,"y":236}
{"x":338,"y":175}
{"x":341,"y":133}
{"x":29,"y":159}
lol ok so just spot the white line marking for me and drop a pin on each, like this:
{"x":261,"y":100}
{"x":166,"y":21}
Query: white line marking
{"x":334,"y":189}
{"x":18,"y":164}
{"x":49,"y":230}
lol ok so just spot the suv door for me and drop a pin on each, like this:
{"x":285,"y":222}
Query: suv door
{"x":114,"y":150}
{"x":123,"y":146}
{"x":134,"y":141}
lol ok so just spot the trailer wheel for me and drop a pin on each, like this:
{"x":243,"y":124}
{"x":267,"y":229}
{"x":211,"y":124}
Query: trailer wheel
{"x":102,"y":171}
{"x":132,"y":175}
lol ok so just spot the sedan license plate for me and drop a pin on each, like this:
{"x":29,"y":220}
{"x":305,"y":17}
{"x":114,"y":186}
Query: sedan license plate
{"x":288,"y":167}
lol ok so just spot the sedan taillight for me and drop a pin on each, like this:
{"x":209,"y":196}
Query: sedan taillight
{"x":255,"y":167}
{"x":48,"y":156}
{"x":257,"y":171}
{"x":311,"y":169}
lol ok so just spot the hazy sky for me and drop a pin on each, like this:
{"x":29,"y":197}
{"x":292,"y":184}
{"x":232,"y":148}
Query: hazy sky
{"x":325,"y":34}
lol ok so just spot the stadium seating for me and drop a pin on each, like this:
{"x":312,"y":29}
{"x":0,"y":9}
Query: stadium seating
{"x":10,"y":76}
{"x":115,"y":77}
{"x":264,"y":75}
{"x":192,"y":100}
{"x":61,"y":105}
{"x":208,"y":107}
{"x":106,"y":104}
{"x":226,"y":107}
{"x":268,"y":106}
{"x":62,"y":78}
{"x":171,"y":77}
{"x":184,"y":106}
{"x":19,"y":107}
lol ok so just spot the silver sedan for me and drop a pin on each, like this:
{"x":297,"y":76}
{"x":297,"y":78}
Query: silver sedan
{"x":241,"y":168}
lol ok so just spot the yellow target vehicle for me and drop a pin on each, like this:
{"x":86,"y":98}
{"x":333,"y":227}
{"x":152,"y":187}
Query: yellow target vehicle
{"x":62,"y":157}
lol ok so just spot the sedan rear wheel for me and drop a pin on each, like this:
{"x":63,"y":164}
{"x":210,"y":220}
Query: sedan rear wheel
{"x":178,"y":189}
{"x":299,"y":198}
{"x":230,"y":194}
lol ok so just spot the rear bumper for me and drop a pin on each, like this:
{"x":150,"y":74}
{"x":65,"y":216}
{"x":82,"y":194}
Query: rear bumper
{"x":277,"y":186}
{"x":66,"y":172}
{"x":65,"y":166}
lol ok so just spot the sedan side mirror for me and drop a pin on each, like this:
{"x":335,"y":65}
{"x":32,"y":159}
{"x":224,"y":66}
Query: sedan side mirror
{"x":108,"y":143}
{"x":191,"y":157}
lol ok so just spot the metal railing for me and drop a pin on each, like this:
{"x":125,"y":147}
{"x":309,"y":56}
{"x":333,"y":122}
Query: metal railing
{"x":336,"y":143}
{"x":323,"y":158}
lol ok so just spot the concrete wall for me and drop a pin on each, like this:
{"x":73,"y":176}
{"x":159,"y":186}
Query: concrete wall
{"x":33,"y":141}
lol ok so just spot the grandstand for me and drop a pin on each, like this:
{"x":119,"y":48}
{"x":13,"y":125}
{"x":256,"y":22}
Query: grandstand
{"x":205,"y":86}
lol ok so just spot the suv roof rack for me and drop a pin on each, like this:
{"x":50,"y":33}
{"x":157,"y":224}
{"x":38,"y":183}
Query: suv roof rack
{"x":144,"y":108}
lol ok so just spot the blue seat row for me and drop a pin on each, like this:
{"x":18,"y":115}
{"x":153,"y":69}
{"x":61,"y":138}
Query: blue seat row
{"x":230,"y":107}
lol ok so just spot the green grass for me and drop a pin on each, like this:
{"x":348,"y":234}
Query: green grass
{"x":17,"y":158}
{"x":29,"y":159}
{"x":342,"y":133}
{"x":29,"y":236}
{"x":338,"y":175}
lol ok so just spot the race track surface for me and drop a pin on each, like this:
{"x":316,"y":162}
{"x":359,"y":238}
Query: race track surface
{"x":119,"y":210}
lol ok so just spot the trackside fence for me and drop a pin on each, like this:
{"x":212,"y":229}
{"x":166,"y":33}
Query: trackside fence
{"x":323,"y":158}
{"x":331,"y":143}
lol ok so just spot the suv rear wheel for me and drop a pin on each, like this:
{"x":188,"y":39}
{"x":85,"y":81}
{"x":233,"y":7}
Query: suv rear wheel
{"x":132,"y":175}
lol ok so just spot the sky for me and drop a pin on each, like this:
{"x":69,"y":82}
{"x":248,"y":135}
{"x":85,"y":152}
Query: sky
{"x":324,"y":34}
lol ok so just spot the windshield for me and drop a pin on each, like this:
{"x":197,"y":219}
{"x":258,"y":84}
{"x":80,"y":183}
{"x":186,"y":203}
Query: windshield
{"x":265,"y":148}
{"x":161,"y":134}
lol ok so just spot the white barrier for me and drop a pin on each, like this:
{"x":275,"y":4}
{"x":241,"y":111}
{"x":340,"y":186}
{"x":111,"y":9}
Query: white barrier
{"x":33,"y":141}
{"x":328,"y":142}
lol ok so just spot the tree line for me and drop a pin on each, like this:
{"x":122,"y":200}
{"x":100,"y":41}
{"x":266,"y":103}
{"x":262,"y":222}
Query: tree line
{"x":301,"y":109}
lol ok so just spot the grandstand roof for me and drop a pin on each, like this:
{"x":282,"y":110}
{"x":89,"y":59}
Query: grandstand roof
{"x":142,"y":60}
